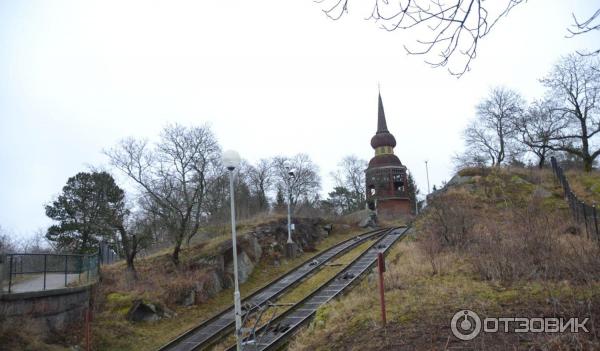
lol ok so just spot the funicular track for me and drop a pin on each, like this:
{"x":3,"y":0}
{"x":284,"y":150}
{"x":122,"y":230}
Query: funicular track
{"x":211,"y":330}
{"x":277,"y":331}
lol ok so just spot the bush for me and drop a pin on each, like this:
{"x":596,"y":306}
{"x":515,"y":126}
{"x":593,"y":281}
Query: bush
{"x":451,"y":217}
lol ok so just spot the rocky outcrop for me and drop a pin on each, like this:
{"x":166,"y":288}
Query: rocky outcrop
{"x":147,"y":312}
{"x":363,"y":218}
{"x":369,"y":221}
{"x":460,"y":180}
{"x":245,"y":266}
{"x":542,"y":193}
{"x":263,"y":242}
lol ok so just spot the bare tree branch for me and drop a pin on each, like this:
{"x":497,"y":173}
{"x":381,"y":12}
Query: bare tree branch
{"x":454,"y":27}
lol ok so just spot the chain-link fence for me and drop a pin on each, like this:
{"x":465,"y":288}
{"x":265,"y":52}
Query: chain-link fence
{"x":582,"y":213}
{"x":107,"y":254}
{"x":37,"y":272}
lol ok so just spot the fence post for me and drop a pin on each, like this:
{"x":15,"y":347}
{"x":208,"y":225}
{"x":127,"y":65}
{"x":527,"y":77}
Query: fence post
{"x":587,"y":233}
{"x":10,"y":268}
{"x":2,"y":274}
{"x":381,"y":269}
{"x":45,"y":269}
{"x":595,"y":220}
{"x":66,"y":267}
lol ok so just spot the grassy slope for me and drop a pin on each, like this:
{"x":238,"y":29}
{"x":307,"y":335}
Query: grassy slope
{"x":113,"y":332}
{"x":585,"y":185}
{"x":420,"y":304}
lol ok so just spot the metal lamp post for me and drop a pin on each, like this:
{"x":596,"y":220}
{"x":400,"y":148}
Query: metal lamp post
{"x":427,"y":171}
{"x":290,"y":242}
{"x":231,"y":160}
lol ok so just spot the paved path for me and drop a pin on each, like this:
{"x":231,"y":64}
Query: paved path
{"x":36,"y":282}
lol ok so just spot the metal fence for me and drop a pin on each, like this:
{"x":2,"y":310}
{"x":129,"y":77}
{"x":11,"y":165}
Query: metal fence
{"x":582,"y":213}
{"x":38,"y":272}
{"x":106,"y":254}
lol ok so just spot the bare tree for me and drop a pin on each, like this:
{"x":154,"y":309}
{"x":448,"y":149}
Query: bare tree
{"x":469,"y":158}
{"x":260,"y":177}
{"x":245,"y":201}
{"x":585,"y":26}
{"x":351,"y":176}
{"x":38,"y":243}
{"x":7,"y":244}
{"x":306,"y":182}
{"x":538,"y":127}
{"x":492,"y":132}
{"x":172,"y":175}
{"x":447,"y":28}
{"x":215,"y":204}
{"x":132,"y":233}
{"x":574,"y":88}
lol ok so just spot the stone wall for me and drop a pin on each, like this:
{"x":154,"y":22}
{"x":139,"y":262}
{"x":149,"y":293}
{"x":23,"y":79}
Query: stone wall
{"x":53,"y":310}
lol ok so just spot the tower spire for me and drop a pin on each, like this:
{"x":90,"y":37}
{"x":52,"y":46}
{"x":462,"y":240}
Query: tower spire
{"x":382,"y":137}
{"x":381,"y":123}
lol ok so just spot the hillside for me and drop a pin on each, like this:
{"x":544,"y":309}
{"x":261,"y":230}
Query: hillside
{"x":201,"y":286}
{"x":193,"y":292}
{"x":499,"y":242}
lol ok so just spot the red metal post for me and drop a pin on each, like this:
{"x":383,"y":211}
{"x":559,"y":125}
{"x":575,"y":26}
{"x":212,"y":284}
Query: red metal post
{"x":87,"y":330}
{"x":381,"y":266}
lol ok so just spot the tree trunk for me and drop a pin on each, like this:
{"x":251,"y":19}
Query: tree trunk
{"x":129,"y":248}
{"x":587,"y":163}
{"x":542,"y":161}
{"x":175,"y":255}
{"x":131,"y":273}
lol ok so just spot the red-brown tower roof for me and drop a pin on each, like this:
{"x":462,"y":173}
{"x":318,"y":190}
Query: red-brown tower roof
{"x":383,"y":142}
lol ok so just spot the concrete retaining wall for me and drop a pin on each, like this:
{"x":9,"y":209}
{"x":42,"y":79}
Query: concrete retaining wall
{"x":54,"y":309}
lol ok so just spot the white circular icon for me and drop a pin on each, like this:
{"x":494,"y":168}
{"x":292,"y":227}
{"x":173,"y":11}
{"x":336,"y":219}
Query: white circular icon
{"x":465,"y":325}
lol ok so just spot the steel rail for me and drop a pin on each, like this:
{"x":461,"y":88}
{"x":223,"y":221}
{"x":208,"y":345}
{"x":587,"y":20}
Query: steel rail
{"x":280,"y":329}
{"x":208,"y":332}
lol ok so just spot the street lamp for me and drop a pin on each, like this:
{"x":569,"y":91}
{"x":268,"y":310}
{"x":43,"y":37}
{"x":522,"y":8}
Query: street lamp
{"x":290,"y":173}
{"x":427,"y":171}
{"x":231,"y":160}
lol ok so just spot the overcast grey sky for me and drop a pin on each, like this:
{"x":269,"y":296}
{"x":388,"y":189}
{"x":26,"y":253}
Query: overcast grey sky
{"x":270,"y":77}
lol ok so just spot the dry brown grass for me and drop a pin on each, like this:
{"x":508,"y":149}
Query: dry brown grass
{"x":420,"y":305}
{"x":585,"y":185}
{"x":507,"y":231}
{"x":491,"y":246}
